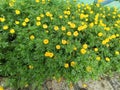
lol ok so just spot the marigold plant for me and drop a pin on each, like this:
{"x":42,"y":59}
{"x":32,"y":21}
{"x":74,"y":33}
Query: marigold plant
{"x":54,"y":39}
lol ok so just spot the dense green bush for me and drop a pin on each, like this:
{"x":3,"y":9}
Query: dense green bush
{"x":45,"y":39}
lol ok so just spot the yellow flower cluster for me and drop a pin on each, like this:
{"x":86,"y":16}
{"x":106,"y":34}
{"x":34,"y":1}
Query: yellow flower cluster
{"x":109,"y":38}
{"x":96,"y":18}
{"x":2,"y":19}
{"x":49,"y":54}
{"x":11,"y":3}
{"x":38,"y":22}
{"x":82,"y":16}
{"x":67,"y":12}
{"x":72,"y":64}
{"x":80,"y":28}
{"x":72,"y":25}
{"x":83,"y":50}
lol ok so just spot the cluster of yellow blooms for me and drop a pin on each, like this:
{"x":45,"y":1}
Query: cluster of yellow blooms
{"x":83,"y":50}
{"x":72,"y":64}
{"x":98,"y":20}
{"x":43,"y":1}
{"x":104,"y":42}
{"x":49,"y":54}
{"x":80,"y":28}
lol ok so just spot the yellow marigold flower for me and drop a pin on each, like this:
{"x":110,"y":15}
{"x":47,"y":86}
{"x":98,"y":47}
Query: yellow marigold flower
{"x":58,"y":47}
{"x":73,"y":63}
{"x":32,"y":37}
{"x":78,"y":6}
{"x":117,"y":52}
{"x":24,"y":23}
{"x":65,"y":16}
{"x":69,"y":23}
{"x":75,"y":48}
{"x":65,"y":12}
{"x":98,"y":58}
{"x":48,"y":14}
{"x":107,"y":28}
{"x":107,"y":45}
{"x":113,"y":36}
{"x":100,"y":34}
{"x":60,"y":16}
{"x":104,"y":42}
{"x":5,"y":27}
{"x":75,"y":33}
{"x":114,"y":12}
{"x":38,"y":18}
{"x":51,"y":18}
{"x":113,"y":16}
{"x":69,"y":33}
{"x":88,"y":69}
{"x":17,"y":12}
{"x":45,"y":41}
{"x":64,"y":42}
{"x":86,"y":19}
{"x":47,"y":54}
{"x":42,"y":15}
{"x":37,"y":1}
{"x":85,"y":46}
{"x":91,"y":12}
{"x":2,"y":19}
{"x":30,"y":67}
{"x":95,"y":49}
{"x":107,"y":59}
{"x":117,"y":35}
{"x":12,"y":31}
{"x":56,"y":28}
{"x":51,"y":55}
{"x":72,"y":25}
{"x":43,"y":1}
{"x":82,"y":16}
{"x":98,"y":5}
{"x":45,"y":26}
{"x":26,"y":20}
{"x":1,"y":88}
{"x":38,"y":23}
{"x":11,"y":3}
{"x":17,"y":22}
{"x":68,"y":13}
{"x":63,"y":28}
{"x":83,"y":51}
{"x":66,"y":65}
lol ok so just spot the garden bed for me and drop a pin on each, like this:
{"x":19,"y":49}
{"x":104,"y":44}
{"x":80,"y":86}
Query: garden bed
{"x":54,"y":39}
